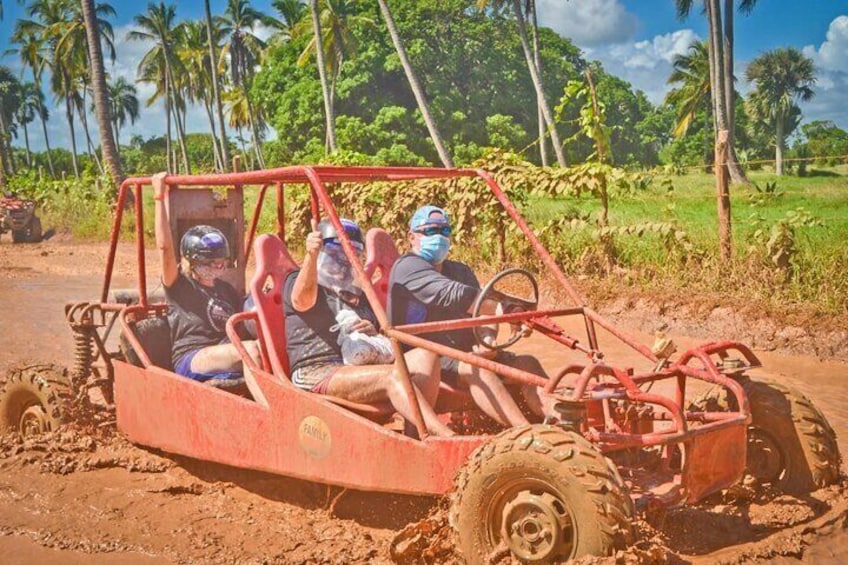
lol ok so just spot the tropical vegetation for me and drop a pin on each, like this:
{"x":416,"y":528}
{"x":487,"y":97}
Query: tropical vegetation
{"x":429,"y":82}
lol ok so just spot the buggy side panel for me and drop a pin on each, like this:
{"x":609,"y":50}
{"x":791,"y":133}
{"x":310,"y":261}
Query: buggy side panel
{"x":298,"y":434}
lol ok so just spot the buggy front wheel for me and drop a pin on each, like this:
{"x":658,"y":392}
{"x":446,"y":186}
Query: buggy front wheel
{"x":541,"y":494}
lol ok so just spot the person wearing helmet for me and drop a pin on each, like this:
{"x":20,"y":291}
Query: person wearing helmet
{"x":426,"y":286}
{"x":325,"y":285}
{"x":200,"y":301}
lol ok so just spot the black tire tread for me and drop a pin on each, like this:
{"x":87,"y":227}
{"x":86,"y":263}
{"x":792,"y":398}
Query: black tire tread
{"x":598,"y":474}
{"x":817,"y":438}
{"x":49,"y":384}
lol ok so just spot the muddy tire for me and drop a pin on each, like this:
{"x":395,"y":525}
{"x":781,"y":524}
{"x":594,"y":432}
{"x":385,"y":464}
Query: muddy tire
{"x":34,"y":400}
{"x":791,"y":446}
{"x":541,"y":493}
{"x":30,"y":234}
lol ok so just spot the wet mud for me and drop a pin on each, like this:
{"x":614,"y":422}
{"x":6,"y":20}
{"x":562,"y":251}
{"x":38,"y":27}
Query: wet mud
{"x":83,"y":494}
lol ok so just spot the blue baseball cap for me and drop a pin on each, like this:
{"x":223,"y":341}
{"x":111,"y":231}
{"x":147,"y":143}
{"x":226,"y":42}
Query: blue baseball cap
{"x":421,"y":217}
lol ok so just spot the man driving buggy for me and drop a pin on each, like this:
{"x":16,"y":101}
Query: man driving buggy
{"x":426,"y":286}
{"x":317,"y":298}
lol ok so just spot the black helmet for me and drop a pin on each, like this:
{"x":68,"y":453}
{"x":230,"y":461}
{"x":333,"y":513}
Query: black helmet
{"x":328,"y":231}
{"x":204,"y":243}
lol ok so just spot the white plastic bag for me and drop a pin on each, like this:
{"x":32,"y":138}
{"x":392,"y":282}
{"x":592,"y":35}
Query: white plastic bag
{"x":359,"y":348}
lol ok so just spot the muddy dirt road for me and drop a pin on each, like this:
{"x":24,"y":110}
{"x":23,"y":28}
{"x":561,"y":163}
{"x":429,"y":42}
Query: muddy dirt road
{"x":77,"y":497}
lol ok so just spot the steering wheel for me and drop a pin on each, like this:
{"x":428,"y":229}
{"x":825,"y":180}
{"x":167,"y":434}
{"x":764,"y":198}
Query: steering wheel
{"x":513,"y":304}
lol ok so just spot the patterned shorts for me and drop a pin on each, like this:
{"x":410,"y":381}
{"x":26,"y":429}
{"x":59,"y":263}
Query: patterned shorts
{"x":315,"y":378}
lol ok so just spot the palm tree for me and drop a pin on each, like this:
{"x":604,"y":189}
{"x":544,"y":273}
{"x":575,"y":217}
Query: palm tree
{"x":245,"y":51}
{"x":48,"y":21}
{"x":721,"y":61}
{"x":108,"y":147}
{"x":192,"y":50}
{"x":417,"y":91}
{"x":157,"y":65}
{"x":535,"y":74}
{"x":74,"y":44}
{"x":237,"y":107}
{"x":82,"y":87}
{"x":123,"y":105}
{"x":537,"y":59}
{"x":782,"y":77}
{"x":292,"y":12}
{"x":692,"y":73}
{"x":334,"y":24}
{"x":329,"y":115}
{"x":216,"y":89}
{"x":31,"y":103}
{"x":31,"y":53}
{"x":10,"y":99}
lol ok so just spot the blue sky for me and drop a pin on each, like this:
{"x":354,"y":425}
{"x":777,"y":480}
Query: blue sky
{"x":634,"y":39}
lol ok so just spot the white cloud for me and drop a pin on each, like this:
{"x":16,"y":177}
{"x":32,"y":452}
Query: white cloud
{"x":831,"y":59}
{"x":832,"y":55}
{"x":645,"y":64}
{"x":588,"y":22}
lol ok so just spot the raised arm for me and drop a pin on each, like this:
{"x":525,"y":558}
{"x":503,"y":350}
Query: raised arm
{"x":305,"y":289}
{"x":162,"y":228}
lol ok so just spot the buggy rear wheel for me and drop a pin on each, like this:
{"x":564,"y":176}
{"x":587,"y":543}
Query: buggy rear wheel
{"x":542,"y":494}
{"x":30,"y":234}
{"x":34,"y":399}
{"x":791,"y":445}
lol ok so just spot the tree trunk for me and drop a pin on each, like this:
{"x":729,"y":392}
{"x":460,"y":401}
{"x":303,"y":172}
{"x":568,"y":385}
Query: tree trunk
{"x":216,"y":92}
{"x":180,"y":130}
{"x":257,"y":147}
{"x":537,"y":82}
{"x":26,"y":144}
{"x":417,"y":91}
{"x":5,"y":154}
{"x":718,"y":89}
{"x":540,"y":114}
{"x":329,"y":118}
{"x":725,"y":240}
{"x":92,"y":153}
{"x":216,"y":150}
{"x":108,"y":147}
{"x":44,"y":129}
{"x":116,"y":131}
{"x":241,"y":141}
{"x":736,"y":172}
{"x":778,"y":146}
{"x":168,"y":161}
{"x":69,"y":112}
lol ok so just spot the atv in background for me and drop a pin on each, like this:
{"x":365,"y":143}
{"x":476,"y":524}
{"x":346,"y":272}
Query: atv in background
{"x":17,"y":215}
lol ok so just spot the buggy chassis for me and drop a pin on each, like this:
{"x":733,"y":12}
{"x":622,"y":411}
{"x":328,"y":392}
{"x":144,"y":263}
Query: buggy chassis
{"x":295,"y":433}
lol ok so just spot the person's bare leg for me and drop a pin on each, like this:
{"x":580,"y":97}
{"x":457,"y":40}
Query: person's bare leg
{"x":375,"y":383}
{"x":249,"y":379}
{"x":217,"y":359}
{"x":425,"y":372}
{"x":537,"y":401}
{"x":491,"y":395}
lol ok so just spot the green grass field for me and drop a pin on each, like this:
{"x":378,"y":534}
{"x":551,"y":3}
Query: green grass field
{"x":817,"y":276}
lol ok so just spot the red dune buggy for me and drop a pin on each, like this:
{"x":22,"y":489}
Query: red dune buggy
{"x":17,"y":215}
{"x":624,"y":436}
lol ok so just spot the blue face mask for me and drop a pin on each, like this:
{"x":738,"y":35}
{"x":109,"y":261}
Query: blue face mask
{"x":434,"y":248}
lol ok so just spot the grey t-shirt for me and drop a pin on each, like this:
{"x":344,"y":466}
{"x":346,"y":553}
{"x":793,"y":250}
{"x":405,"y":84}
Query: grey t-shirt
{"x":309,"y":340}
{"x":198,"y":314}
{"x":419,"y":293}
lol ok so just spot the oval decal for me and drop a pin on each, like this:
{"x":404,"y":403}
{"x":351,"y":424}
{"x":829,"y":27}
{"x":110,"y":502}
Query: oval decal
{"x":314,"y":436}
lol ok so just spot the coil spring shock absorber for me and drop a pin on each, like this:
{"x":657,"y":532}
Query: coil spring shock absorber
{"x":83,"y":352}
